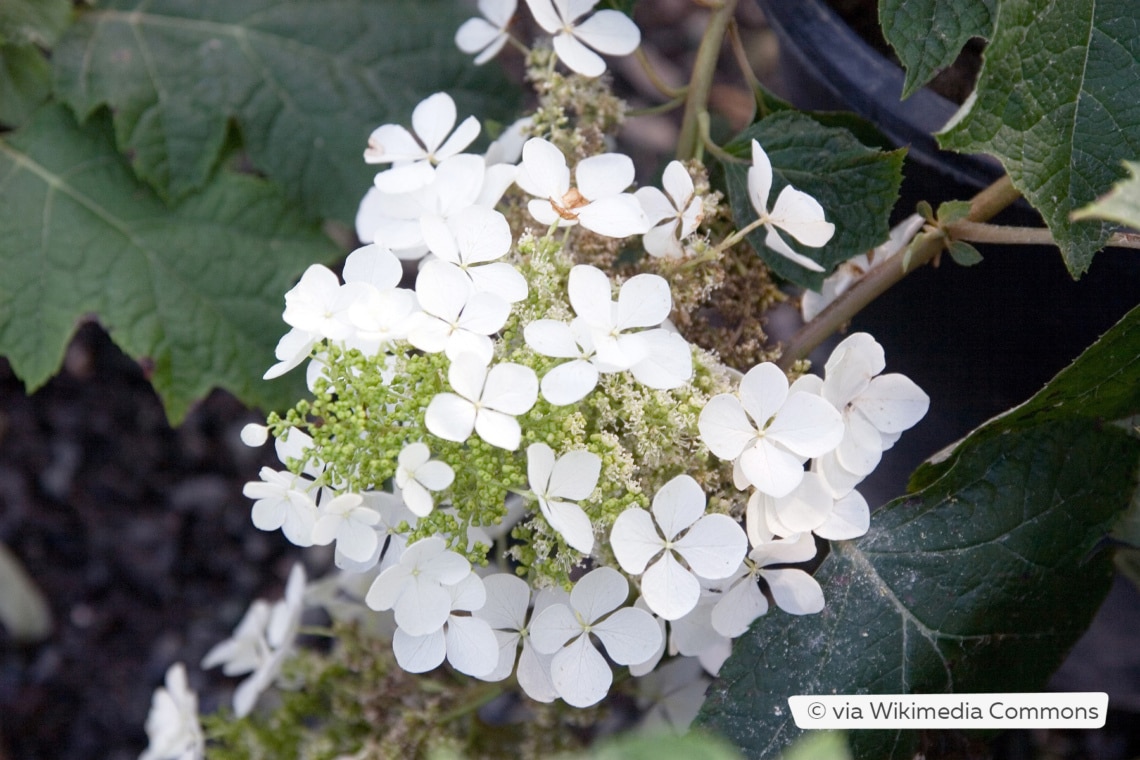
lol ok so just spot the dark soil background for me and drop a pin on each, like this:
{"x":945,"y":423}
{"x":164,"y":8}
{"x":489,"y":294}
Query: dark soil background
{"x":140,"y":538}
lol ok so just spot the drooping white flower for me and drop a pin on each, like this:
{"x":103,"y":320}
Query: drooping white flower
{"x":597,"y":202}
{"x":674,"y":213}
{"x":172,"y":726}
{"x":459,"y":181}
{"x":294,"y":347}
{"x":579,"y":672}
{"x":652,"y":546}
{"x":795,"y":212}
{"x":508,"y":599}
{"x":876,"y":408}
{"x":455,"y":317}
{"x":242,"y":652}
{"x":414,"y":156}
{"x":852,"y":270}
{"x":467,"y":642}
{"x":390,"y":542}
{"x":347,"y":520}
{"x":794,"y":590}
{"x":558,"y":484}
{"x":283,"y":500}
{"x":607,"y":31}
{"x":280,"y":634}
{"x":486,"y":400}
{"x":486,"y":36}
{"x":473,"y":239}
{"x":770,"y":431}
{"x":414,"y":587}
{"x":417,"y":474}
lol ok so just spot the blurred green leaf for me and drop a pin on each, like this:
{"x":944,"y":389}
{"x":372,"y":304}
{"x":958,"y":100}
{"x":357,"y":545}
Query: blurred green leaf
{"x":196,"y":291}
{"x":25,"y":82}
{"x":306,"y":81}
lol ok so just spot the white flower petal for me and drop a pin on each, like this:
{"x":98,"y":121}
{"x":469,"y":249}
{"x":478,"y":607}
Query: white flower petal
{"x":575,"y":475}
{"x":450,"y":417}
{"x":375,"y":265}
{"x":422,"y":608}
{"x":580,"y":674}
{"x":569,"y":383}
{"x":807,"y":425}
{"x":471,"y":646}
{"x":794,"y":591}
{"x":501,"y":279}
{"x":724,"y":426}
{"x":773,"y":240}
{"x":433,"y":118}
{"x":508,"y":597}
{"x":677,"y":505}
{"x":544,"y":13}
{"x":771,"y":469}
{"x":419,"y":654}
{"x":550,"y":337}
{"x":604,"y":175}
{"x":616,"y":216}
{"x":571,"y":522}
{"x":578,"y":57}
{"x":630,"y":635}
{"x":805,"y":508}
{"x":669,"y":363}
{"x":551,"y":628}
{"x":669,"y":589}
{"x":893,"y":403}
{"x":763,"y":390}
{"x":644,"y":301}
{"x":533,"y":675}
{"x":511,"y":388}
{"x":738,"y":607}
{"x":610,"y":32}
{"x":849,"y":518}
{"x":498,"y":429}
{"x":759,"y":179}
{"x":801,"y":216}
{"x":714,"y":547}
{"x":598,"y":592}
{"x":635,"y":540}
{"x":543,"y":171}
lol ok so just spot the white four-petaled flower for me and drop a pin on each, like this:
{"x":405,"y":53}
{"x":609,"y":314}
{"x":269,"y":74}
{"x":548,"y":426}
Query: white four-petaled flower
{"x":650,"y":545}
{"x":558,"y":484}
{"x":486,"y":36}
{"x":607,"y":31}
{"x":597,"y":202}
{"x":413,"y":157}
{"x":467,"y":642}
{"x":172,"y":725}
{"x":795,"y":212}
{"x":579,"y":672}
{"x":415,"y":587}
{"x":486,"y":400}
{"x":674,"y":213}
{"x":767,"y":432}
{"x":417,"y":474}
{"x":508,"y":599}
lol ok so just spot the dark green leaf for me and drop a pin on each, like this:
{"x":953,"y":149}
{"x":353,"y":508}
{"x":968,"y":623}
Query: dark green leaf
{"x":979,"y":583}
{"x":768,"y":103}
{"x":856,"y":185}
{"x":964,"y":254}
{"x":929,"y":34}
{"x":197,"y":290}
{"x":25,"y":82}
{"x":1056,"y":104}
{"x":33,"y":22}
{"x":306,"y":81}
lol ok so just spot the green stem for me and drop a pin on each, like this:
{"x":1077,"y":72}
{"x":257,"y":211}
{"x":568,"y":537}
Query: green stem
{"x":880,"y":278}
{"x":665,"y":107}
{"x":480,"y":697}
{"x":700,"y":83}
{"x":655,"y":79}
{"x":980,"y":232}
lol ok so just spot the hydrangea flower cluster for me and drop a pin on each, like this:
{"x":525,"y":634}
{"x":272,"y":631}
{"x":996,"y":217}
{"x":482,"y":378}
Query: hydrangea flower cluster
{"x":523,"y":467}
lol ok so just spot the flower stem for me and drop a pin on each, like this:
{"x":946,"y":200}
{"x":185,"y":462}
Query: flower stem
{"x":881,"y":277}
{"x":980,"y":232}
{"x":700,"y":83}
{"x":655,"y":79}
